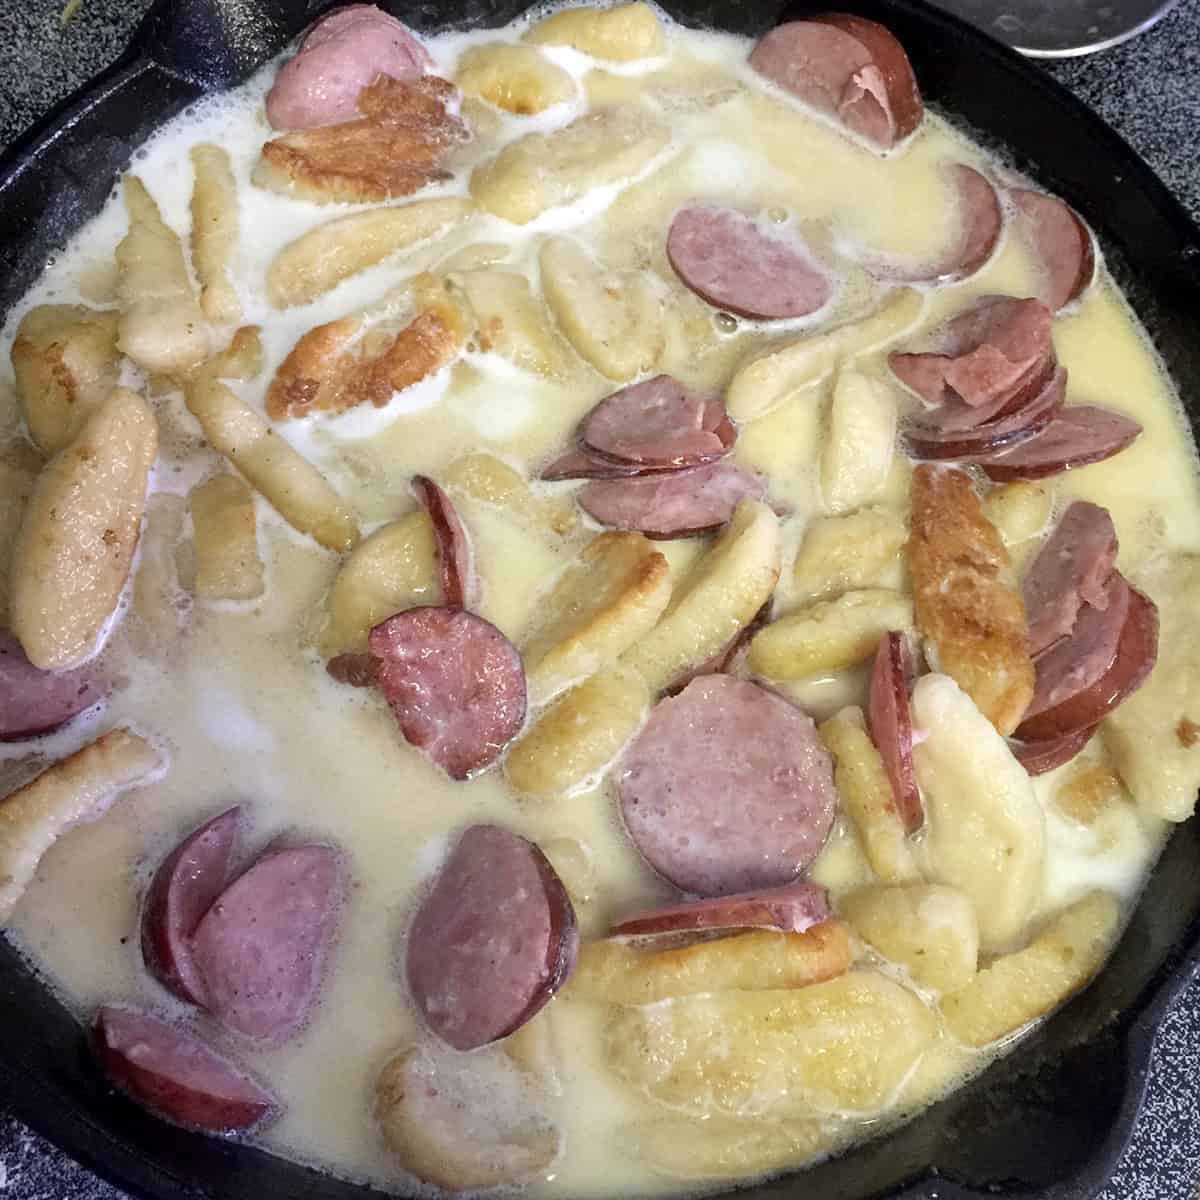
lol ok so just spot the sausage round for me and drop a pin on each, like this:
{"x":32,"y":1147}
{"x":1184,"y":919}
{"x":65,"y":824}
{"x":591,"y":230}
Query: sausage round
{"x":460,"y":583}
{"x":1082,"y":678}
{"x":34,"y":702}
{"x":184,"y":887}
{"x":581,"y":463}
{"x":672,"y":504}
{"x":1081,"y":434}
{"x":455,"y":684}
{"x":1039,"y":757}
{"x":849,"y":67}
{"x":343,"y":53}
{"x":493,"y":941}
{"x":658,"y":423}
{"x":1070,"y":570}
{"x":175,"y":1075}
{"x":1062,"y":244}
{"x":892,"y":728}
{"x":792,"y":908}
{"x":738,"y":266}
{"x":261,"y":949}
{"x":727,"y":788}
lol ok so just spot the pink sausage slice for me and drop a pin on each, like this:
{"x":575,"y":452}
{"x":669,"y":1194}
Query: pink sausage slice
{"x":988,"y":354}
{"x":184,"y":887}
{"x":343,"y":53}
{"x":493,"y":941}
{"x":672,"y":505}
{"x":1062,"y":244}
{"x":968,"y":442}
{"x":727,"y":788}
{"x":658,"y":423}
{"x":1070,"y":570}
{"x":892,"y":727}
{"x":738,"y":266}
{"x":1081,"y":679}
{"x":1039,"y":757}
{"x":1081,"y":434}
{"x":580,"y":463}
{"x":34,"y":702}
{"x":261,"y":949}
{"x":455,"y":684}
{"x":460,"y":583}
{"x":980,"y":221}
{"x":792,"y":908}
{"x":848,"y":67}
{"x":175,"y":1075}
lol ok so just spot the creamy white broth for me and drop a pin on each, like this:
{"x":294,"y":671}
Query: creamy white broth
{"x":238,"y":695}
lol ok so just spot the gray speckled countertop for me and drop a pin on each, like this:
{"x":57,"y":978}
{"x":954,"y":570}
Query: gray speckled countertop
{"x":1146,"y":89}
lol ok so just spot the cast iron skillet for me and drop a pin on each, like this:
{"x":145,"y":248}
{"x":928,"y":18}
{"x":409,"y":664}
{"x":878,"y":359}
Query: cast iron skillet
{"x":1050,"y":1120}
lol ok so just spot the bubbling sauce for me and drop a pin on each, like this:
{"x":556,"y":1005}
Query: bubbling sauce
{"x":238,"y":694}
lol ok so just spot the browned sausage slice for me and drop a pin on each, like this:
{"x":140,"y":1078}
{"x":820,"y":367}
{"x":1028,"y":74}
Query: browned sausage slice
{"x":987,"y":356}
{"x":963,"y":439}
{"x":1062,"y":244}
{"x":342,"y":54}
{"x":658,"y":423}
{"x":175,"y":1075}
{"x":580,"y":463}
{"x":741,"y":267}
{"x":727,"y":788}
{"x":1082,"y":678}
{"x":355,"y":670}
{"x":262,"y":947}
{"x":792,"y":908}
{"x":184,"y":887}
{"x":846,"y":66}
{"x":674,"y":504}
{"x":980,"y":223}
{"x":493,"y":941}
{"x":455,"y":684}
{"x":1081,"y":434}
{"x":1070,"y":570}
{"x":892,"y":727}
{"x":460,"y":584}
{"x":34,"y":702}
{"x":1039,"y":757}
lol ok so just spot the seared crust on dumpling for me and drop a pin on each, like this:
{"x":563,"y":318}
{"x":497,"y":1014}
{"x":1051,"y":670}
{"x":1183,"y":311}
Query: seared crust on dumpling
{"x":394,"y":149}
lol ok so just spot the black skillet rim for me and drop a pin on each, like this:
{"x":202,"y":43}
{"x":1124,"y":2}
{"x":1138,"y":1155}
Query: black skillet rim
{"x":46,"y":1078}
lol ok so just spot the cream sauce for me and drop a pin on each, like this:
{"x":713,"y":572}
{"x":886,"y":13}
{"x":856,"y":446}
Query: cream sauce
{"x":240,"y":697}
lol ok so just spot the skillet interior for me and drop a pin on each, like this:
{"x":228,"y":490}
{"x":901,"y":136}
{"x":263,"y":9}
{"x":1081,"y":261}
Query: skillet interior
{"x":1048,"y":1121}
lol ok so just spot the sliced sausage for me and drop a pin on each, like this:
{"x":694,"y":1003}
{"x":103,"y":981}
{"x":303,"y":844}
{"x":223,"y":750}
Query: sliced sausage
{"x":987,"y":356}
{"x":580,"y":463}
{"x":183,"y":889}
{"x":455,"y":684}
{"x":1083,"y":677}
{"x":262,"y":947}
{"x":980,"y":223}
{"x":460,"y":583}
{"x":1061,"y":242}
{"x":892,"y":727}
{"x":966,"y":440}
{"x":727,"y":788}
{"x":175,"y":1075}
{"x":726,"y":660}
{"x":355,"y":670}
{"x":1080,"y":435}
{"x":1039,"y":757}
{"x":848,"y":67}
{"x":343,"y":53}
{"x":674,"y":504}
{"x":739,"y":266}
{"x":493,"y":941}
{"x":1070,"y":570}
{"x":658,"y":423}
{"x":792,"y":908}
{"x":34,"y":702}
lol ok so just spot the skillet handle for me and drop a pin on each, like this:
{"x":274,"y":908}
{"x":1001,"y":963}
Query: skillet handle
{"x":215,"y":44}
